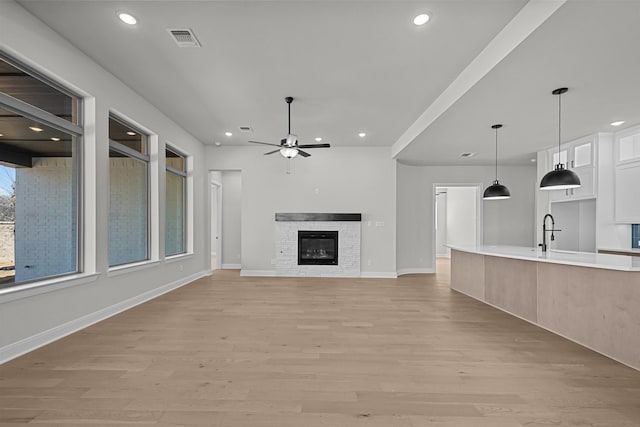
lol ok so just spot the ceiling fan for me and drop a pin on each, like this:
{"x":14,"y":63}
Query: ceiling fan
{"x":289,"y":146}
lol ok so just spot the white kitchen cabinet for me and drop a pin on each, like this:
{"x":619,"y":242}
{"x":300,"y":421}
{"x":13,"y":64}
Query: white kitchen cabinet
{"x":578,"y":156}
{"x":627,"y":176}
{"x":627,"y":194}
{"x":628,"y":145}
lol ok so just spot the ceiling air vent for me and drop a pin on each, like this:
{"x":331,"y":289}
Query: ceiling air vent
{"x":246,"y":129}
{"x":184,"y":38}
{"x":467,"y":154}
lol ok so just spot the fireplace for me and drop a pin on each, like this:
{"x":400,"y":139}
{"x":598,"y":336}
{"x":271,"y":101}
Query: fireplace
{"x":317,"y":247}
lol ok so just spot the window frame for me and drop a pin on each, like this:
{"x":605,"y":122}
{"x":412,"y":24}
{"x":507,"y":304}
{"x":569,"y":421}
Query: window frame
{"x":184,"y":174}
{"x":46,"y":118}
{"x":143,"y":157}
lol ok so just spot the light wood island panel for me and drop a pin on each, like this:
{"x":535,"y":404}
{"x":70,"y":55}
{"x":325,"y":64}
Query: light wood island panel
{"x":598,"y":308}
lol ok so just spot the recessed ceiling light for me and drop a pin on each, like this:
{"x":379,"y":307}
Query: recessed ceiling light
{"x":55,"y":139}
{"x":468,"y":154}
{"x":35,"y":128}
{"x":318,"y":139}
{"x":127,"y":18}
{"x":1,"y":134}
{"x":421,"y":19}
{"x":533,"y":160}
{"x":130,"y":133}
{"x":618,"y":123}
{"x":228,"y":133}
{"x":362,"y":134}
{"x":218,"y":143}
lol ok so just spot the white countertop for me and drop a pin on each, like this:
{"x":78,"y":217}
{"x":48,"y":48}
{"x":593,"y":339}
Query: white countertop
{"x":630,"y":250}
{"x":581,"y":259}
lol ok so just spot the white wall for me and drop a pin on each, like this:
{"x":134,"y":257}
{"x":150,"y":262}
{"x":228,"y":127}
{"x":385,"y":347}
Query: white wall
{"x":462,"y":216}
{"x":59,"y":308}
{"x":358,"y":180}
{"x":231,"y":215}
{"x":505,"y":222}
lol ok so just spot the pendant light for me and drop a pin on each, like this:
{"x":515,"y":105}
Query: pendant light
{"x":559,"y":178}
{"x":496,"y":191}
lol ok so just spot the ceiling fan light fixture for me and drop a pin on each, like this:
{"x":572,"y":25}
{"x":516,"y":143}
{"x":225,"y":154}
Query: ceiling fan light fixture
{"x":291,"y":140}
{"x":288,"y":152}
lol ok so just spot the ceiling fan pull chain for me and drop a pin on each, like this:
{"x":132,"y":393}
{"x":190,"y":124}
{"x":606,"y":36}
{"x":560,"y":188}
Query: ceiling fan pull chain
{"x":288,"y":165}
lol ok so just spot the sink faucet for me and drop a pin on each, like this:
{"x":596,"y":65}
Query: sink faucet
{"x":544,"y":231}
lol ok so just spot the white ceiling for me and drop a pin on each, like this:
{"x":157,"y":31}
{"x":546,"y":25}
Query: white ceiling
{"x":363,"y":66}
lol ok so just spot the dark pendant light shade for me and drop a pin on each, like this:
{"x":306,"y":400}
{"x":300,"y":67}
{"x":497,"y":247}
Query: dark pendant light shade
{"x":496,"y":191}
{"x":560,"y":178}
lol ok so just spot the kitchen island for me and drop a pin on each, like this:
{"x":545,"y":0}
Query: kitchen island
{"x":592,"y":299}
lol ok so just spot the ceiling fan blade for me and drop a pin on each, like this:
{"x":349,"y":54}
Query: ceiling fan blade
{"x":314,"y":146}
{"x":264,"y":143}
{"x":271,"y":152}
{"x":303,"y":153}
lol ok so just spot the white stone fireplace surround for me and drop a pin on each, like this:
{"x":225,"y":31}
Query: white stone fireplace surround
{"x":348,"y":228}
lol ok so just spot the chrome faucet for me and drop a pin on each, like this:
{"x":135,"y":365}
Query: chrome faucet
{"x":544,"y":231}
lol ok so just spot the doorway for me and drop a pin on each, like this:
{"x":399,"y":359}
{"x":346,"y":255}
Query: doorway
{"x":216,"y":224}
{"x":457,"y":218}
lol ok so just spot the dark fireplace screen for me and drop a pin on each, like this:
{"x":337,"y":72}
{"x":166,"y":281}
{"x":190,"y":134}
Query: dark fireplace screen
{"x":317,"y":247}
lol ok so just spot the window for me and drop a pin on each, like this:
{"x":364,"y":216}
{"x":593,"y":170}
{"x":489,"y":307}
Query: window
{"x":128,"y":193}
{"x":175,"y":203}
{"x":40,"y":144}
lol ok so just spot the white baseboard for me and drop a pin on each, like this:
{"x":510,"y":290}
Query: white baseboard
{"x":16,"y":349}
{"x":231,"y":266}
{"x":403,"y":271}
{"x":378,"y":275}
{"x":257,"y":273}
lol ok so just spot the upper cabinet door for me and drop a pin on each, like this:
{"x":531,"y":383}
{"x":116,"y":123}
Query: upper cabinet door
{"x":627,"y":195}
{"x":582,"y":155}
{"x":628,"y":145}
{"x":577,"y":156}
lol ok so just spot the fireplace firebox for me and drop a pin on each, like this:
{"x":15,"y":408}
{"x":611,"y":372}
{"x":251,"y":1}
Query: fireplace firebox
{"x":317,"y":247}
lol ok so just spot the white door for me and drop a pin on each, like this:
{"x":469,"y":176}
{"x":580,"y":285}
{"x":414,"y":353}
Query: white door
{"x":216,"y":226}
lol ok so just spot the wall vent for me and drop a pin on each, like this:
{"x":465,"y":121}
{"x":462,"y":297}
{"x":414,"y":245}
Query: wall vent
{"x":184,"y":37}
{"x":246,"y":129}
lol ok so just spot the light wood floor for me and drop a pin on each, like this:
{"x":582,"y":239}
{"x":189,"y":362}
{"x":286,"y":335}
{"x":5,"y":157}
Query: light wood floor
{"x":232,"y":351}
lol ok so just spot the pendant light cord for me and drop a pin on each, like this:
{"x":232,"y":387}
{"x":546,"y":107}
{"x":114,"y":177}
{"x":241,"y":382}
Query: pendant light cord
{"x":559,"y":125}
{"x":496,"y":154}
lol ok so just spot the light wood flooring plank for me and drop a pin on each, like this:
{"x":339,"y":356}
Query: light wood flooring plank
{"x":317,"y":352}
